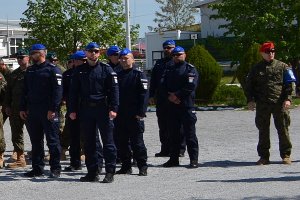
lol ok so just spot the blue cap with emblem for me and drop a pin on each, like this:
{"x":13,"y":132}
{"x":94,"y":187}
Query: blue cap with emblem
{"x":125,"y":52}
{"x":79,"y":55}
{"x":113,"y":50}
{"x":178,"y":50}
{"x":169,"y":43}
{"x":37,"y":47}
{"x":92,"y":45}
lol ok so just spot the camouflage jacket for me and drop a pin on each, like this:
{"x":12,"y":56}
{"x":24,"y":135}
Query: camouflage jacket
{"x":15,"y":84}
{"x":3,"y":85}
{"x":265,"y":83}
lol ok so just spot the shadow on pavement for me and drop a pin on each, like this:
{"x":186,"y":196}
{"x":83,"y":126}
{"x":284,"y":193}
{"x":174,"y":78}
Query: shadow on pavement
{"x":226,"y":163}
{"x":254,"y":180}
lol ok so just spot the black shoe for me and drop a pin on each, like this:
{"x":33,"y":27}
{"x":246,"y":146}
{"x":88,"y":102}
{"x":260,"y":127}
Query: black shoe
{"x":90,"y":178}
{"x":143,"y":171}
{"x":124,"y":170}
{"x":171,"y":163}
{"x":162,"y":154}
{"x":72,"y":169}
{"x":33,"y":173}
{"x":55,"y":174}
{"x":109,"y":178}
{"x":194,"y":164}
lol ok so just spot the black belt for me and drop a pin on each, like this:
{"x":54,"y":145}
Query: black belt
{"x":92,"y":104}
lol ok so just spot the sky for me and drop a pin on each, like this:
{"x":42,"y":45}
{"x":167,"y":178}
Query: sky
{"x":142,"y":12}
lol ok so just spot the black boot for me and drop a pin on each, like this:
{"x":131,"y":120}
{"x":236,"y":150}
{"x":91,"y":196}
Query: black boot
{"x":171,"y":163}
{"x":109,"y":178}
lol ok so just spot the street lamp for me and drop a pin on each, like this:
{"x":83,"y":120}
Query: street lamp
{"x":128,"y":39}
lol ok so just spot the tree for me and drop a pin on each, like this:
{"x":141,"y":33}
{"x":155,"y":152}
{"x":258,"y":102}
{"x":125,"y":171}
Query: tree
{"x":258,"y":21}
{"x":174,"y":15}
{"x":210,"y":72}
{"x":65,"y":25}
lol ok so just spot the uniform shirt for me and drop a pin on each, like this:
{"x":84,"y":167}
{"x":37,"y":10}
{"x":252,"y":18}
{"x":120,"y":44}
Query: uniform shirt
{"x":14,"y":90}
{"x":181,"y":79}
{"x":3,"y":85}
{"x":133,"y":86}
{"x":156,"y":75}
{"x":67,"y":75}
{"x":42,"y":85}
{"x":93,"y":84}
{"x":265,"y":83}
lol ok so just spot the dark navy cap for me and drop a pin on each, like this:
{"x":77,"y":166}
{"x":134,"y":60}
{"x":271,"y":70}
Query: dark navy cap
{"x":22,"y":52}
{"x":79,"y":55}
{"x":178,"y":49}
{"x":112,"y":50}
{"x":51,"y":56}
{"x":37,"y":47}
{"x":169,"y":43}
{"x":92,"y":45}
{"x":125,"y":52}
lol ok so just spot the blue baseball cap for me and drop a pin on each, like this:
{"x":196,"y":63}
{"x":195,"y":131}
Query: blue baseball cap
{"x":92,"y":45}
{"x":177,"y":50}
{"x":169,"y":43}
{"x":79,"y":55}
{"x":112,"y":50}
{"x":125,"y":52}
{"x":37,"y":47}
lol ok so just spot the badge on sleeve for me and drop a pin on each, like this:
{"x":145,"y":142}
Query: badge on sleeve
{"x":191,"y":77}
{"x":115,"y":77}
{"x":58,"y":78}
{"x":145,"y":83}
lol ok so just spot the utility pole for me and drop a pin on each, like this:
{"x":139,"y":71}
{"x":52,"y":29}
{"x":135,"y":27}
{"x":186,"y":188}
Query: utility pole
{"x":128,"y":39}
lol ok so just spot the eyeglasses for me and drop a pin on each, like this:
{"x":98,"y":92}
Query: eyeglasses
{"x":269,"y":51}
{"x":94,"y":51}
{"x":177,"y":54}
{"x":168,"y":47}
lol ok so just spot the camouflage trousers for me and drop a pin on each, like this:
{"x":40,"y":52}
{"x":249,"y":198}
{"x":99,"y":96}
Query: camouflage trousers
{"x":2,"y":139}
{"x":17,"y":133}
{"x":281,"y":121}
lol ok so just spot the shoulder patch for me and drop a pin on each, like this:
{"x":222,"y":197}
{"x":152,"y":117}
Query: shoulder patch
{"x":190,"y":65}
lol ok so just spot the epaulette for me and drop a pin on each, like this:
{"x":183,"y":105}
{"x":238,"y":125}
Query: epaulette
{"x":137,"y":69}
{"x":190,"y":65}
{"x":52,"y":65}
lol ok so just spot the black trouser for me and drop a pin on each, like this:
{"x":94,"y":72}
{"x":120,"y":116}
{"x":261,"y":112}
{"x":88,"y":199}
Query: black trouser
{"x":185,"y":118}
{"x":130,"y":131}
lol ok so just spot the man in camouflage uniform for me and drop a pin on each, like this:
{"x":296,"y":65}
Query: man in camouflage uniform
{"x":15,"y":83}
{"x":269,"y":86}
{"x":2,"y":140}
{"x":64,"y":140}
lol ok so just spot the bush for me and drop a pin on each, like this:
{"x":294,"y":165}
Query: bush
{"x":210,"y":72}
{"x":251,"y":57}
{"x":230,"y":95}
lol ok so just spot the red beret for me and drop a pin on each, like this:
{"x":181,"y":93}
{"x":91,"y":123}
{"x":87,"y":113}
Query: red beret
{"x":267,"y":46}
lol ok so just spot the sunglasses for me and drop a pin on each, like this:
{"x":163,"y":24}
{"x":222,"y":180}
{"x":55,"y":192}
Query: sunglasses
{"x":115,"y":54}
{"x":34,"y":52}
{"x":20,"y":57}
{"x":94,"y":51}
{"x":269,"y":51}
{"x":168,"y":47}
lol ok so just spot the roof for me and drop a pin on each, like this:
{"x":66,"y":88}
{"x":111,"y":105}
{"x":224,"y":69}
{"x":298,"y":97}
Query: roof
{"x":199,"y":3}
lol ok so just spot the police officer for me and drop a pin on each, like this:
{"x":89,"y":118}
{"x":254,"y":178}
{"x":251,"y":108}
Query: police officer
{"x":268,"y":89}
{"x":15,"y":84}
{"x":179,"y":84}
{"x":133,"y":86}
{"x":94,"y":87}
{"x":2,"y":139}
{"x":156,"y":97}
{"x":113,"y":57}
{"x":40,"y":104}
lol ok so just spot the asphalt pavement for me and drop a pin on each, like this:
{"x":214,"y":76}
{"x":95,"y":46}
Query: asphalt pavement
{"x":227,"y":157}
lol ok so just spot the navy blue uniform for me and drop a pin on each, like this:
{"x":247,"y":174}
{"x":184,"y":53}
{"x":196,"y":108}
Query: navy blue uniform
{"x":95,"y":90}
{"x":156,"y":92}
{"x":133,"y":102}
{"x":42,"y":93}
{"x":181,"y":79}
